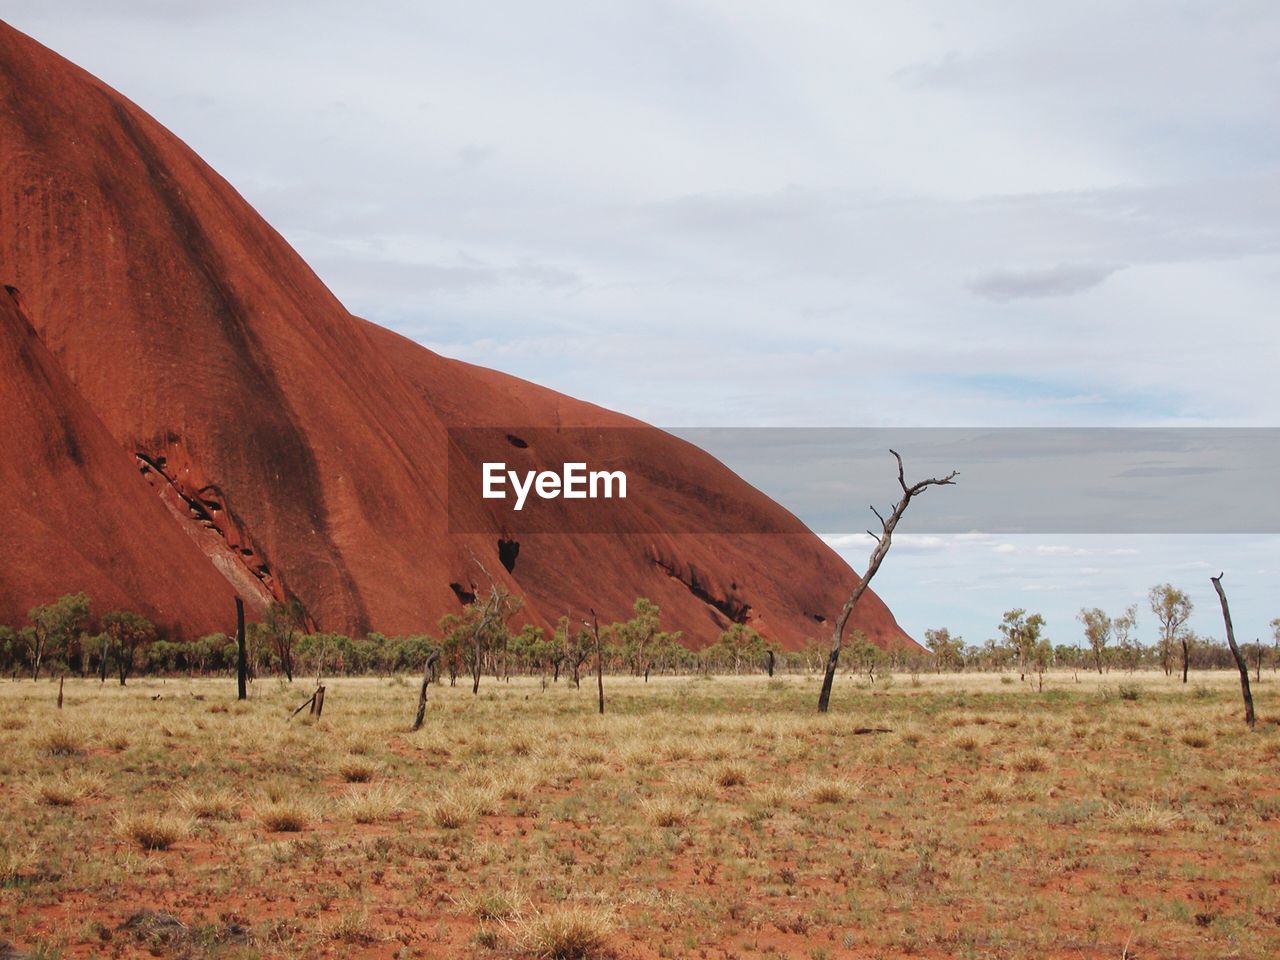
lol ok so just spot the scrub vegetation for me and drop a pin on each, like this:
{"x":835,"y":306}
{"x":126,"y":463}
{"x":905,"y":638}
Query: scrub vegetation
{"x":933,"y":815}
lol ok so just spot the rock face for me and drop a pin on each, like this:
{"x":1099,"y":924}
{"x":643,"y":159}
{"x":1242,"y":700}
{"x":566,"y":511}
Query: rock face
{"x":195,"y":415}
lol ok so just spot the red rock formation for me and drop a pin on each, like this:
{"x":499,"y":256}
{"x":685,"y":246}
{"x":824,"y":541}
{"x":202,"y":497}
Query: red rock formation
{"x":75,"y":514}
{"x":303,"y":450}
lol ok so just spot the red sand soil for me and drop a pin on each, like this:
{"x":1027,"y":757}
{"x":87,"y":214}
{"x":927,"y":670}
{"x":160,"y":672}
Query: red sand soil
{"x":238,"y":431}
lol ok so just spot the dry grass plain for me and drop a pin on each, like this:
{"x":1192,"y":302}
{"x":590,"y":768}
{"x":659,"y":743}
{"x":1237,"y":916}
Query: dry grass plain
{"x":701,"y":818}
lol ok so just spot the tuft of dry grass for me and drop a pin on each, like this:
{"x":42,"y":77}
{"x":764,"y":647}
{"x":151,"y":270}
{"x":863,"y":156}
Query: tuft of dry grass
{"x":1143,"y":818}
{"x":369,"y":805}
{"x":1030,"y":761}
{"x":153,"y":831}
{"x":731,"y":775}
{"x":13,"y":863}
{"x":694,"y":787}
{"x":358,"y":770}
{"x":830,"y":790}
{"x":212,"y":804}
{"x":494,"y":904}
{"x":568,"y":932}
{"x":666,"y":812}
{"x":352,"y":928}
{"x":66,"y":789}
{"x":64,"y":742}
{"x":453,"y":809}
{"x":995,"y":790}
{"x":283,"y":816}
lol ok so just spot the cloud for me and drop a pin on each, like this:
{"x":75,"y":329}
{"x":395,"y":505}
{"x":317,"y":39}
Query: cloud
{"x":1063,"y":280}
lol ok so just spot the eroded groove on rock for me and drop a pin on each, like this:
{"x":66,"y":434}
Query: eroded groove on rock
{"x":736,"y":609}
{"x":224,"y":542}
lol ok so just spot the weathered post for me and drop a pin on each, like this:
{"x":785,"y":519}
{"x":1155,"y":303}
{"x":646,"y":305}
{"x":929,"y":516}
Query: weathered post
{"x":1235,"y":652}
{"x":595,"y":632}
{"x":421,"y":716}
{"x":242,"y":659}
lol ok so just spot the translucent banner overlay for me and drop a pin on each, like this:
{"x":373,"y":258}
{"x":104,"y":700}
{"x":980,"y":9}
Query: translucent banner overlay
{"x":1012,"y":480}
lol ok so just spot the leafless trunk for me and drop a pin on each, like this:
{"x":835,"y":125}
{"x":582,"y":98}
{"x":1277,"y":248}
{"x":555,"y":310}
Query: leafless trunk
{"x":1235,"y":652}
{"x":317,"y":706}
{"x":595,"y":634}
{"x":421,"y":715}
{"x":242,"y":657}
{"x":883,"y":542}
{"x":60,"y":682}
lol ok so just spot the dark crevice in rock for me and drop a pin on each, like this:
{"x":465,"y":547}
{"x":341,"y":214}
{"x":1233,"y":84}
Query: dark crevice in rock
{"x":517,"y":441}
{"x":464,"y":595}
{"x":508,"y":550}
{"x":818,"y":617}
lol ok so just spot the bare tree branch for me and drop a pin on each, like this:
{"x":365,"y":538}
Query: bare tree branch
{"x":1243,"y":667}
{"x":883,"y":543}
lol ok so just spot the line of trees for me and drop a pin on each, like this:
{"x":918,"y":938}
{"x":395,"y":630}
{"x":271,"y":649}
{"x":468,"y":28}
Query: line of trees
{"x":63,"y":637}
{"x":1110,"y":643}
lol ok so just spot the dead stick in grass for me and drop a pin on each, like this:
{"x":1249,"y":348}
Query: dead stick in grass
{"x":421,"y":716}
{"x":309,"y":702}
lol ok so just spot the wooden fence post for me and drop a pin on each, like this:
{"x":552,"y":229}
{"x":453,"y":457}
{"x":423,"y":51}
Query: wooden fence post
{"x":242,"y":660}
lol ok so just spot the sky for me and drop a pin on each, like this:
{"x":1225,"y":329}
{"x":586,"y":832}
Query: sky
{"x":736,"y":214}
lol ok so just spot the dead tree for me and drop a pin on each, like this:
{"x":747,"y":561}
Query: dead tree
{"x":1235,"y":652}
{"x":883,"y":541}
{"x":594,"y":626}
{"x":421,"y":716}
{"x":242,"y":658}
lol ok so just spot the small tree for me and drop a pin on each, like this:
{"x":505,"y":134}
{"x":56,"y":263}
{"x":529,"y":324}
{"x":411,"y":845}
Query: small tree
{"x":9,"y":644}
{"x":1275,"y":634}
{"x":1097,"y":630}
{"x":1172,"y":608}
{"x":1122,"y":628}
{"x":866,"y":656}
{"x":883,"y":542}
{"x":53,"y":627}
{"x":637,"y":634}
{"x":126,"y":633}
{"x":283,"y":624}
{"x":1022,"y":633}
{"x":947,"y":650}
{"x":1041,"y":654}
{"x":740,"y":644}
